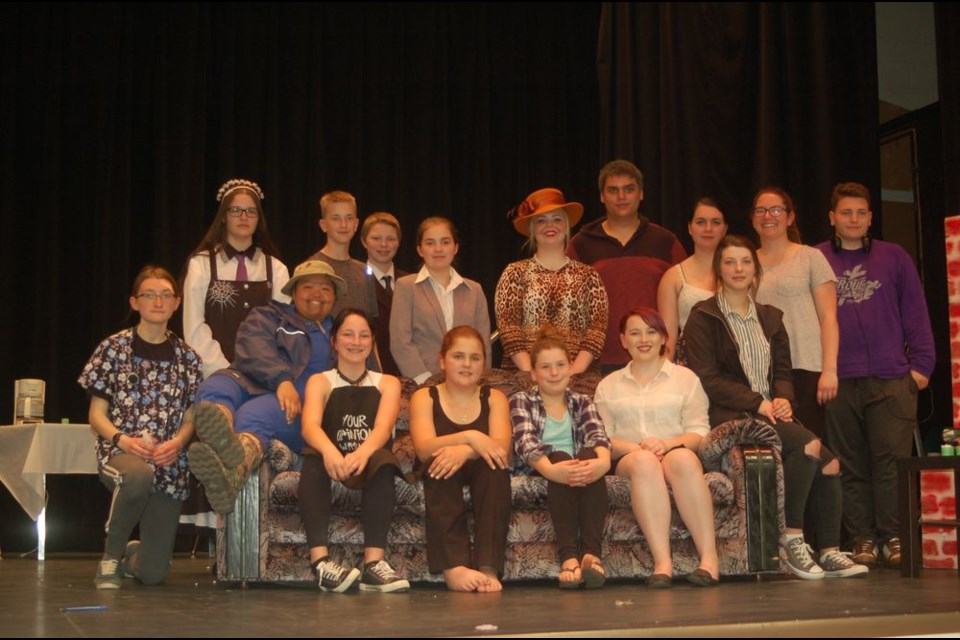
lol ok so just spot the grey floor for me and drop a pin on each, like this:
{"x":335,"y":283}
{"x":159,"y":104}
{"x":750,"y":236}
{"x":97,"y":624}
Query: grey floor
{"x":193,"y":604}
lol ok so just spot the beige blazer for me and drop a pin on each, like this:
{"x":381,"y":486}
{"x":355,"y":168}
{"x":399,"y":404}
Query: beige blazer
{"x":417,"y":327}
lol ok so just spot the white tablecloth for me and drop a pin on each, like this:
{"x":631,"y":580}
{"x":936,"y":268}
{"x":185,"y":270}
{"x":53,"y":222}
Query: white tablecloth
{"x":28,"y":451}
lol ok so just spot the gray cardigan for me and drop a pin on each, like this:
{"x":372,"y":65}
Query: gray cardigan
{"x":417,"y":327}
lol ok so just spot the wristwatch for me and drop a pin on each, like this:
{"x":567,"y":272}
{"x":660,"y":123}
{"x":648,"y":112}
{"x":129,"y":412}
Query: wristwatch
{"x":116,"y":438}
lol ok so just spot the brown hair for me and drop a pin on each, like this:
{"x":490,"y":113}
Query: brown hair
{"x":848,"y":190}
{"x":619,"y":168}
{"x":793,"y":232}
{"x":547,"y":338}
{"x":380,"y":217}
{"x":433,"y":221}
{"x":153,"y":271}
{"x":737,"y":241}
{"x":216,"y":235}
{"x":462,"y":331}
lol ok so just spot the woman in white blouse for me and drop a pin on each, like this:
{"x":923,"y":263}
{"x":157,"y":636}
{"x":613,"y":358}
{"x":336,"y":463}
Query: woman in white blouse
{"x":655,"y":413}
{"x":233,"y":270}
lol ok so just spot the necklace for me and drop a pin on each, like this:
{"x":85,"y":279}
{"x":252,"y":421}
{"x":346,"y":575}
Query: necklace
{"x":458,"y":408}
{"x":564,"y":263}
{"x":352,"y":382}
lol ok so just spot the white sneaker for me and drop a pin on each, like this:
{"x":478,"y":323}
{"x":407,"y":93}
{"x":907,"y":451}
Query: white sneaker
{"x":836,"y":564}
{"x":798,"y":557}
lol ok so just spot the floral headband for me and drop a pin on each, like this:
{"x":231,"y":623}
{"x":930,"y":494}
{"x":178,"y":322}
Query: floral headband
{"x":238,"y":183}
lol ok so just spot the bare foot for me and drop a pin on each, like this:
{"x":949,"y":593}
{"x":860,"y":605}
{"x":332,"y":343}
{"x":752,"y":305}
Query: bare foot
{"x":464,"y":579}
{"x":493,"y":582}
{"x":592,"y":561}
{"x":570,"y":574}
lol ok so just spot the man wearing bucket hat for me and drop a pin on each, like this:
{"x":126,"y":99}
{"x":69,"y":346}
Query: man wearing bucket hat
{"x":630,"y":252}
{"x":550,"y":288}
{"x":241,"y":408}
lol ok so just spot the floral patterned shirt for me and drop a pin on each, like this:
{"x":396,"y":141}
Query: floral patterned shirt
{"x":146,"y":396}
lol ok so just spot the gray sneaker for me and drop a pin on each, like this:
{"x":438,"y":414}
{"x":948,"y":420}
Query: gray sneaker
{"x":108,"y":574}
{"x":131,"y":560}
{"x":798,"y":557}
{"x":836,"y":564}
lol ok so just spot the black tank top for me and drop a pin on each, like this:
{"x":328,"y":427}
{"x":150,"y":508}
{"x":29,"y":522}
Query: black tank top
{"x":444,"y":426}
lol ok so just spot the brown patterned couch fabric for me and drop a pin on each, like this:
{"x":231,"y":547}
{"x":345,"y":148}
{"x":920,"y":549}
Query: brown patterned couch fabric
{"x":266,"y":538}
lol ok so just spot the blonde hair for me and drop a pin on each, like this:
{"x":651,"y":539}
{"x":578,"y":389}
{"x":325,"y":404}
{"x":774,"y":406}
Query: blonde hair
{"x":335,"y":196}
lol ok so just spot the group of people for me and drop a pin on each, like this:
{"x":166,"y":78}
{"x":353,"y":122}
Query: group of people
{"x":814,"y":341}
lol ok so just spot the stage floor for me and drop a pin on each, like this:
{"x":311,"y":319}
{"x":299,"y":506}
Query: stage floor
{"x":193,"y":604}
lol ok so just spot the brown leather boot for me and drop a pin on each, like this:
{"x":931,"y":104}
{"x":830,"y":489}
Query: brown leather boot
{"x":222,"y":483}
{"x":214,"y":425}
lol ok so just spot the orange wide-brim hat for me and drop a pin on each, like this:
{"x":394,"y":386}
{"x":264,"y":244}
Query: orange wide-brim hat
{"x":540,"y":202}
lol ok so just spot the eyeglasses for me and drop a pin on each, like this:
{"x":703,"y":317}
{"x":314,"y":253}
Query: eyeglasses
{"x":775,"y":211}
{"x":150,"y":296}
{"x":236,"y":212}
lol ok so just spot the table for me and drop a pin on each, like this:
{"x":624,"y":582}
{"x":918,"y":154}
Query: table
{"x":30,"y":451}
{"x":908,"y":478}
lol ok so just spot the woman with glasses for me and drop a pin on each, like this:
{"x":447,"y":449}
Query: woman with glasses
{"x":233,"y":270}
{"x":141,"y":382}
{"x":798,"y":280}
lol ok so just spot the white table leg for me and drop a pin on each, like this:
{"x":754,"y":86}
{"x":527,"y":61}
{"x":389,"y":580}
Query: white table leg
{"x":42,"y":525}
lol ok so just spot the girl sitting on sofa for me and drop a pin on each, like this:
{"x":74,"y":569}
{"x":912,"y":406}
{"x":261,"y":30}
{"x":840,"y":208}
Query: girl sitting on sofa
{"x":348,"y":417}
{"x":461,"y":434}
{"x":558,"y":433}
{"x":656,"y":415}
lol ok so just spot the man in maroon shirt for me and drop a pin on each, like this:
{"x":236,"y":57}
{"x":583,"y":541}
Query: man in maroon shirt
{"x":630,"y":252}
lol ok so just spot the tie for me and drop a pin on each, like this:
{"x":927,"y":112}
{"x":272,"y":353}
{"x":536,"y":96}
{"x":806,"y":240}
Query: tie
{"x":241,"y":269}
{"x":386,"y":283}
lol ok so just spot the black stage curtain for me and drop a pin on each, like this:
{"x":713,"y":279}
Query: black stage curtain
{"x":948,"y":62}
{"x":121,"y":121}
{"x":724,"y":98}
{"x":118,"y":122}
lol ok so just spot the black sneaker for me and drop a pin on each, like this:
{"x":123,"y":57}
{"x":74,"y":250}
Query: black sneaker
{"x":380,"y":576}
{"x":334,"y":577}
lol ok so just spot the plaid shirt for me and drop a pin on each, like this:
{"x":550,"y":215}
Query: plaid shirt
{"x":529,"y":416}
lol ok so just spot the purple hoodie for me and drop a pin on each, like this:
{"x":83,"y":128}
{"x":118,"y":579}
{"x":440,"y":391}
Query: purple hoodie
{"x":884,"y":324}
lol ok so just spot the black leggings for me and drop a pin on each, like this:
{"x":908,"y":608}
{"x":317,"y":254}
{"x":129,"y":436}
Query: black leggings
{"x":376,"y":510}
{"x":803,"y":479}
{"x":578,"y":513}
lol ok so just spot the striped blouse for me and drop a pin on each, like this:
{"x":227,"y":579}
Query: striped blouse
{"x":752,"y":345}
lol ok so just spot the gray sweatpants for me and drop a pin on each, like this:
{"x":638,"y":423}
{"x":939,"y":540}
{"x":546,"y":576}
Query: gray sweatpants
{"x":130,"y":479}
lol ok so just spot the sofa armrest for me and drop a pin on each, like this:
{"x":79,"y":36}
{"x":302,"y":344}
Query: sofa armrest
{"x":729,"y":435}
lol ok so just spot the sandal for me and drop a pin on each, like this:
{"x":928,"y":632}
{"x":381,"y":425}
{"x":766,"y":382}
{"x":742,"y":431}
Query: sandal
{"x":594,"y":575}
{"x":570,"y":584}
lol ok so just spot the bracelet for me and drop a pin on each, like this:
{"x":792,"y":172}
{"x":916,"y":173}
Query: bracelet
{"x":116,"y":438}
